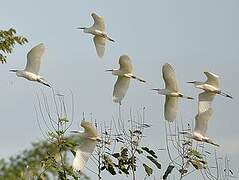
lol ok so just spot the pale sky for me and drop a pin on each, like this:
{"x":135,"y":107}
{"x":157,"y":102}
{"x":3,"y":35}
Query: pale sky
{"x":193,"y":36}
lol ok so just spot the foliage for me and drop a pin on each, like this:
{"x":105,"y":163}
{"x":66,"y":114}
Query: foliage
{"x":8,"y":39}
{"x":118,"y":153}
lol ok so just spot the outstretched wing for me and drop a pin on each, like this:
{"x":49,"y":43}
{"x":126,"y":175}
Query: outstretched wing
{"x":204,"y":101}
{"x":212,"y":79}
{"x":125,"y":64}
{"x":120,"y":88}
{"x":169,"y":77}
{"x":83,"y":154}
{"x":201,"y":123}
{"x":99,"y":45}
{"x":170,"y":108}
{"x":98,"y":22}
{"x":34,"y":57}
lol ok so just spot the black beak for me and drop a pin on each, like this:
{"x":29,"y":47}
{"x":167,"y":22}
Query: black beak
{"x":13,"y":70}
{"x":74,"y":132}
{"x":107,"y":70}
{"x":80,"y":28}
{"x":191,"y":82}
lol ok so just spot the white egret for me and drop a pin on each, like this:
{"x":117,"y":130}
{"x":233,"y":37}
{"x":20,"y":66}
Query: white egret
{"x":124,"y":73}
{"x":89,"y":140}
{"x":211,"y":85}
{"x":201,"y":120}
{"x":171,"y":92}
{"x":32,"y":68}
{"x":201,"y":124}
{"x":100,"y":36}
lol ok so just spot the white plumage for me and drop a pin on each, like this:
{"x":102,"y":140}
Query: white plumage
{"x":171,"y":92}
{"x":100,"y":36}
{"x":34,"y":57}
{"x":201,"y":122}
{"x":210,"y":85}
{"x":87,"y":147}
{"x":124,"y":73}
{"x":32,"y":68}
{"x":205,"y":101}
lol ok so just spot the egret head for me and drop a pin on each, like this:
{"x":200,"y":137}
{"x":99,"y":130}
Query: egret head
{"x":18,"y":72}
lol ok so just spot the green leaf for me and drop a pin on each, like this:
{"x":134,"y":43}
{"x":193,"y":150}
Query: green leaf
{"x":154,"y":161}
{"x":151,"y":152}
{"x":116,"y":155}
{"x":148,"y":170}
{"x":196,"y":164}
{"x":168,"y":171}
{"x":183,"y":171}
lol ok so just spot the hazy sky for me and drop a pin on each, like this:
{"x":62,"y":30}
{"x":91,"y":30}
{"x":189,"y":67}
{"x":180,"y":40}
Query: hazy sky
{"x":193,"y":36}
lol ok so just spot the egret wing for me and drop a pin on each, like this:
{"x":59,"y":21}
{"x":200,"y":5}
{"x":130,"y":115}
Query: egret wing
{"x":170,"y":108}
{"x":204,"y":101}
{"x":34,"y":57}
{"x":99,"y":45}
{"x":202,"y":119}
{"x":83,"y":154}
{"x":120,"y":88}
{"x":169,"y":77}
{"x":212,"y":79}
{"x":98,"y":22}
{"x":125,"y":64}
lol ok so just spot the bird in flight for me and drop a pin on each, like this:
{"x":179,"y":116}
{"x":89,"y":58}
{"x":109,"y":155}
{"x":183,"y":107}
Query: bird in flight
{"x":89,"y":139}
{"x":32,"y":68}
{"x":100,"y":36}
{"x":171,"y":91}
{"x":200,"y":129}
{"x":124,"y":73}
{"x":201,"y":120}
{"x":210,"y":85}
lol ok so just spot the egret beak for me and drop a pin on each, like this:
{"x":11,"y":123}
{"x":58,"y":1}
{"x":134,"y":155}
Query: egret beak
{"x":192,"y":82}
{"x":13,"y":70}
{"x":76,"y":132}
{"x":109,"y":70}
{"x":183,"y":132}
{"x":155,"y":89}
{"x":80,"y":27}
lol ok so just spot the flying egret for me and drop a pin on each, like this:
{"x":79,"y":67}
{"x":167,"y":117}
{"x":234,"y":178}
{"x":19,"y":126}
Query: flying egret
{"x":89,"y":140}
{"x":32,"y":68}
{"x":210,"y":85}
{"x":204,"y":114}
{"x":100,"y":36}
{"x":201,"y":124}
{"x":124,"y":73}
{"x":171,"y":92}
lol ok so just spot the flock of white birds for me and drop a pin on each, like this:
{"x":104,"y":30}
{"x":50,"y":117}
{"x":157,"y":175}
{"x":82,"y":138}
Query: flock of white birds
{"x":125,"y":73}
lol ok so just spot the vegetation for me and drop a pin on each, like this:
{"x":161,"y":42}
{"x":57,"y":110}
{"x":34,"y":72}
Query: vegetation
{"x":8,"y":39}
{"x":121,"y":151}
